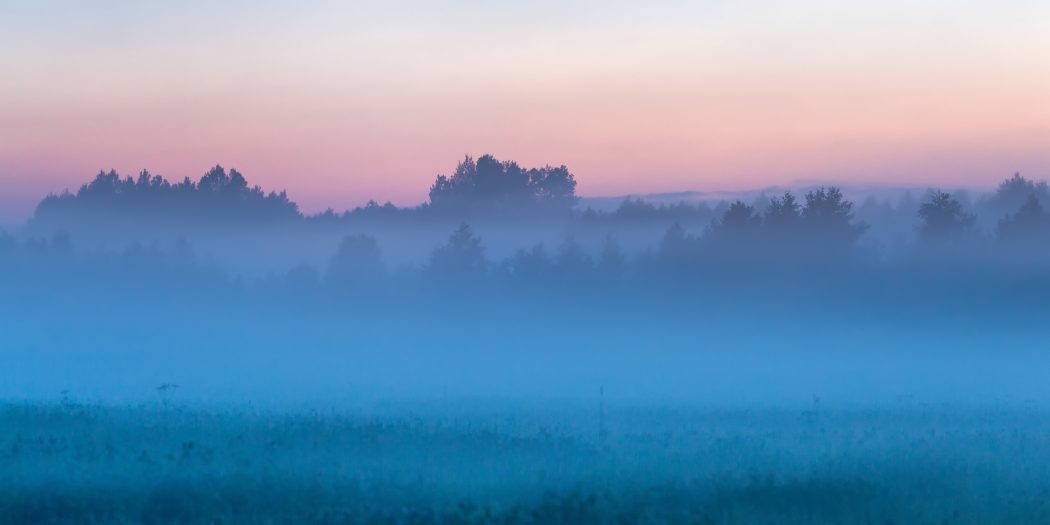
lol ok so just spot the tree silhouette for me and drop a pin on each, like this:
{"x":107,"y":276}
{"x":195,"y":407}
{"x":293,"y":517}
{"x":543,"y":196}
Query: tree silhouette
{"x":357,"y":262}
{"x":488,"y":185}
{"x":553,"y":187}
{"x":943,"y":218}
{"x":1029,"y":226}
{"x":217,"y":196}
{"x":216,"y":180}
{"x":572,"y":261}
{"x":634,"y":209}
{"x":827,"y":223}
{"x":461,"y":257}
{"x":739,"y":221}
{"x":532,"y":265}
{"x":783,"y":214}
{"x":1013,"y":192}
{"x":678,"y":250}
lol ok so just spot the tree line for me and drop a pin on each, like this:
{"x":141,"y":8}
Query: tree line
{"x":489,"y":188}
{"x":818,"y":227}
{"x":217,"y":195}
{"x":482,"y":187}
{"x":818,"y":232}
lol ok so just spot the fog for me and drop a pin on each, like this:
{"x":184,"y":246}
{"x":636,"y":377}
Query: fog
{"x":504,"y":286}
{"x":204,"y":352}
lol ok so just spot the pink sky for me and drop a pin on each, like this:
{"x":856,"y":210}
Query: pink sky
{"x":341,"y":104}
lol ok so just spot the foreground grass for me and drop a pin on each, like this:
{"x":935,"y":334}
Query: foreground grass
{"x":90,"y":464}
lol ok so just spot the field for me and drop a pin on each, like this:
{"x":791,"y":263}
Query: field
{"x":523,"y":463}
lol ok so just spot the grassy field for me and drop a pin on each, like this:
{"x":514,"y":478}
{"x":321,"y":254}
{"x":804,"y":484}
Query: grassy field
{"x":72,"y":463}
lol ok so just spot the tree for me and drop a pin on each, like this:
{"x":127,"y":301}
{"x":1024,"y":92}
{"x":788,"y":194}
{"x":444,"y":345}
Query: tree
{"x":357,"y":262}
{"x":218,"y":195}
{"x":677,"y":249}
{"x":217,"y":181}
{"x":943,"y":218}
{"x":553,"y":187}
{"x":572,"y":261}
{"x":530,"y":265}
{"x":740,"y":220}
{"x":1013,"y":192}
{"x":1029,"y":225}
{"x":783,"y":214}
{"x":827,"y":222}
{"x":462,"y":256}
{"x":491,"y":185}
{"x":635,"y":209}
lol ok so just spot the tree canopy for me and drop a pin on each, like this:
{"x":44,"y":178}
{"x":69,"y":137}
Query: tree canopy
{"x":218,"y":195}
{"x":943,"y":218}
{"x":488,"y":184}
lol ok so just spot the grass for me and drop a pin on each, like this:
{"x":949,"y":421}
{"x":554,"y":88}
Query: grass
{"x":70,"y":463}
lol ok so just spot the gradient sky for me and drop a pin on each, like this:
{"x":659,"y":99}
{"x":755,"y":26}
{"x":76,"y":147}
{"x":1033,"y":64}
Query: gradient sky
{"x":339,"y":102}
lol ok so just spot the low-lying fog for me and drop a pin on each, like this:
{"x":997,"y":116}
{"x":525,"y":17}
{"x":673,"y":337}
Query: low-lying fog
{"x":503,"y":286}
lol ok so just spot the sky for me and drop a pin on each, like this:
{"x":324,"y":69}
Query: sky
{"x":341,"y":102}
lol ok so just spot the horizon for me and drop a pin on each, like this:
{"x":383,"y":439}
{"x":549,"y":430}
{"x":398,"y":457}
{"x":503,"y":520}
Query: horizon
{"x":16,"y":214}
{"x":340,"y":104}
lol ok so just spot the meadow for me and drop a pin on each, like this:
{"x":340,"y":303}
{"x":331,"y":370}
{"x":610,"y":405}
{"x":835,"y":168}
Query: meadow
{"x":471,"y":461}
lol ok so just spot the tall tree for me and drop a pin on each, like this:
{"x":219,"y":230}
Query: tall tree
{"x":783,"y":213}
{"x":827,"y":221}
{"x":1030,"y":225}
{"x":357,"y":262}
{"x":462,"y":256}
{"x":943,"y":218}
{"x":491,"y":185}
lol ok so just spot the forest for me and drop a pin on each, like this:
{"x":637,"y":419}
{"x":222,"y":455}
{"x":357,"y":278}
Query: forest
{"x":503,"y":263}
{"x":496,"y":225}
